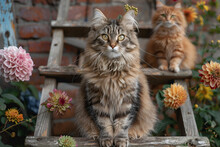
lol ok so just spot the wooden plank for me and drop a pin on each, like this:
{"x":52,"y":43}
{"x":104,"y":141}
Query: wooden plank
{"x":187,"y":114}
{"x":173,"y":141}
{"x":81,"y":29}
{"x":43,"y":124}
{"x":71,"y":74}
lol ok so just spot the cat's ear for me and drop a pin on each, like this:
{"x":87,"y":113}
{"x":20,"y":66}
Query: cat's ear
{"x":159,"y":4}
{"x":128,"y":20}
{"x":99,"y":19}
{"x":178,"y":6}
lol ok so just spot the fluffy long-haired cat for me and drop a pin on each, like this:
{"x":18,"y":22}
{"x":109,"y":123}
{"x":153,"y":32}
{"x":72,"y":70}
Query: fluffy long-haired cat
{"x":114,"y":103}
{"x":169,"y":48}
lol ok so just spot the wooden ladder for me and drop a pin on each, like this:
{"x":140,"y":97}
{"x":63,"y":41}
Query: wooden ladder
{"x":55,"y":73}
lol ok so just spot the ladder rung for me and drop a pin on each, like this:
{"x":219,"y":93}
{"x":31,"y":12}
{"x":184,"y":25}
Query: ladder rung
{"x":81,"y":29}
{"x":71,"y":74}
{"x":148,"y":141}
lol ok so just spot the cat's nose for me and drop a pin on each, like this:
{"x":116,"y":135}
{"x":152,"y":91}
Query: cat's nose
{"x":113,"y":45}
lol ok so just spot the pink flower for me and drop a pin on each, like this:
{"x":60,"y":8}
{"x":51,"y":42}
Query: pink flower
{"x":210,"y":74}
{"x":58,"y":101}
{"x":15,"y":64}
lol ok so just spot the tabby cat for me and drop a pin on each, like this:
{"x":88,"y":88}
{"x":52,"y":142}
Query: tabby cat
{"x":114,"y":103}
{"x":169,"y":48}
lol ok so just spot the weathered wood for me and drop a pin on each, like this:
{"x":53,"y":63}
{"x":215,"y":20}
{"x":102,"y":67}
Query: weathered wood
{"x":71,"y":74}
{"x":173,"y":141}
{"x":43,"y":124}
{"x":187,"y":114}
{"x":81,"y":29}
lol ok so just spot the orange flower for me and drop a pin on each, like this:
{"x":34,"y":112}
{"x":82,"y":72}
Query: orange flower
{"x":13,"y":115}
{"x":210,"y":74}
{"x":190,"y":14}
{"x":175,"y":96}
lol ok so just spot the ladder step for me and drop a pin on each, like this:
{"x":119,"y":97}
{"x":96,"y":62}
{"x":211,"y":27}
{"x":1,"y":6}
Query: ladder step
{"x":71,"y":74}
{"x":81,"y":29}
{"x":174,"y":141}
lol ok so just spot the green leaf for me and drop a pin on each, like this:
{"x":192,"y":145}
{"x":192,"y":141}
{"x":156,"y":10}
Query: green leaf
{"x":204,"y":115}
{"x":215,"y":114}
{"x":161,"y":125}
{"x":217,"y":130}
{"x":3,"y":120}
{"x":34,"y":91}
{"x":159,"y":99}
{"x":166,"y":86}
{"x":21,"y":85}
{"x":2,"y":113}
{"x":2,"y":104}
{"x":199,"y":122}
{"x":11,"y":98}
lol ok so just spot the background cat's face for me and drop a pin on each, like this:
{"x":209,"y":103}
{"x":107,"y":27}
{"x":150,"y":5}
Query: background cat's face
{"x":113,"y":38}
{"x":168,"y":17}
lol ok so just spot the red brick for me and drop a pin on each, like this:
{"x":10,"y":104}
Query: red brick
{"x":64,"y":128}
{"x":23,"y":44}
{"x":65,"y":61}
{"x":111,"y":11}
{"x":39,"y":46}
{"x":37,"y":80}
{"x":70,"y":48}
{"x":45,"y":2}
{"x":34,"y":30}
{"x":95,"y":1}
{"x":68,"y":114}
{"x":38,"y":61}
{"x":34,"y":13}
{"x":76,"y":12}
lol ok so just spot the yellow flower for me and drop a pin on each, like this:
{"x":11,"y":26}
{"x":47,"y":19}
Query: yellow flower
{"x":218,"y":41}
{"x":204,"y":93}
{"x":196,"y":106}
{"x":175,"y":96}
{"x":212,"y":41}
{"x":190,"y":14}
{"x":13,"y":115}
{"x":218,"y":18}
{"x":13,"y":134}
{"x":128,"y":7}
{"x":202,"y":6}
{"x":201,"y":21}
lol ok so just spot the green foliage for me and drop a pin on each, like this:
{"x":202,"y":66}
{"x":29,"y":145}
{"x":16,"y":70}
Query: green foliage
{"x":11,"y":98}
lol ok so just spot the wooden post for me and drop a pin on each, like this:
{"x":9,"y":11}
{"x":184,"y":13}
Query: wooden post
{"x":43,"y":125}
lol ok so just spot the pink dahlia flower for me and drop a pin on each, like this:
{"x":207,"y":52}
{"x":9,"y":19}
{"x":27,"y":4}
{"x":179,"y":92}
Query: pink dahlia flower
{"x":210,"y":74}
{"x":15,"y":64}
{"x":58,"y":101}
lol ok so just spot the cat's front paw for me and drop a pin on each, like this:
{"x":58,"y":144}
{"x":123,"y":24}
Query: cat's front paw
{"x":105,"y":142}
{"x":121,"y":142}
{"x":163,"y":67}
{"x":174,"y":68}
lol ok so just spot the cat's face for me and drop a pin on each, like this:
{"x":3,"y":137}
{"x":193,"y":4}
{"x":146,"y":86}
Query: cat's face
{"x":168,"y":17}
{"x":113,"y":38}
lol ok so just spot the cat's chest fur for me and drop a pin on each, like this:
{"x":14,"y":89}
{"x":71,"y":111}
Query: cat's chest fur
{"x":113,"y":88}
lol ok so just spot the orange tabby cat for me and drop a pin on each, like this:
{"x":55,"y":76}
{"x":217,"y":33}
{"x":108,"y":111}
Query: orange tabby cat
{"x":169,"y":48}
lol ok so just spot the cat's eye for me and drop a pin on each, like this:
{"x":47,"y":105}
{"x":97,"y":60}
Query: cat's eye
{"x":104,"y":36}
{"x":121,"y":37}
{"x":173,"y":16}
{"x":164,"y":15}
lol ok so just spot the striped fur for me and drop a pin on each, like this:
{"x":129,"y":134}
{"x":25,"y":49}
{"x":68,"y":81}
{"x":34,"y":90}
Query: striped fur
{"x":169,"y":48}
{"x":114,"y":103}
